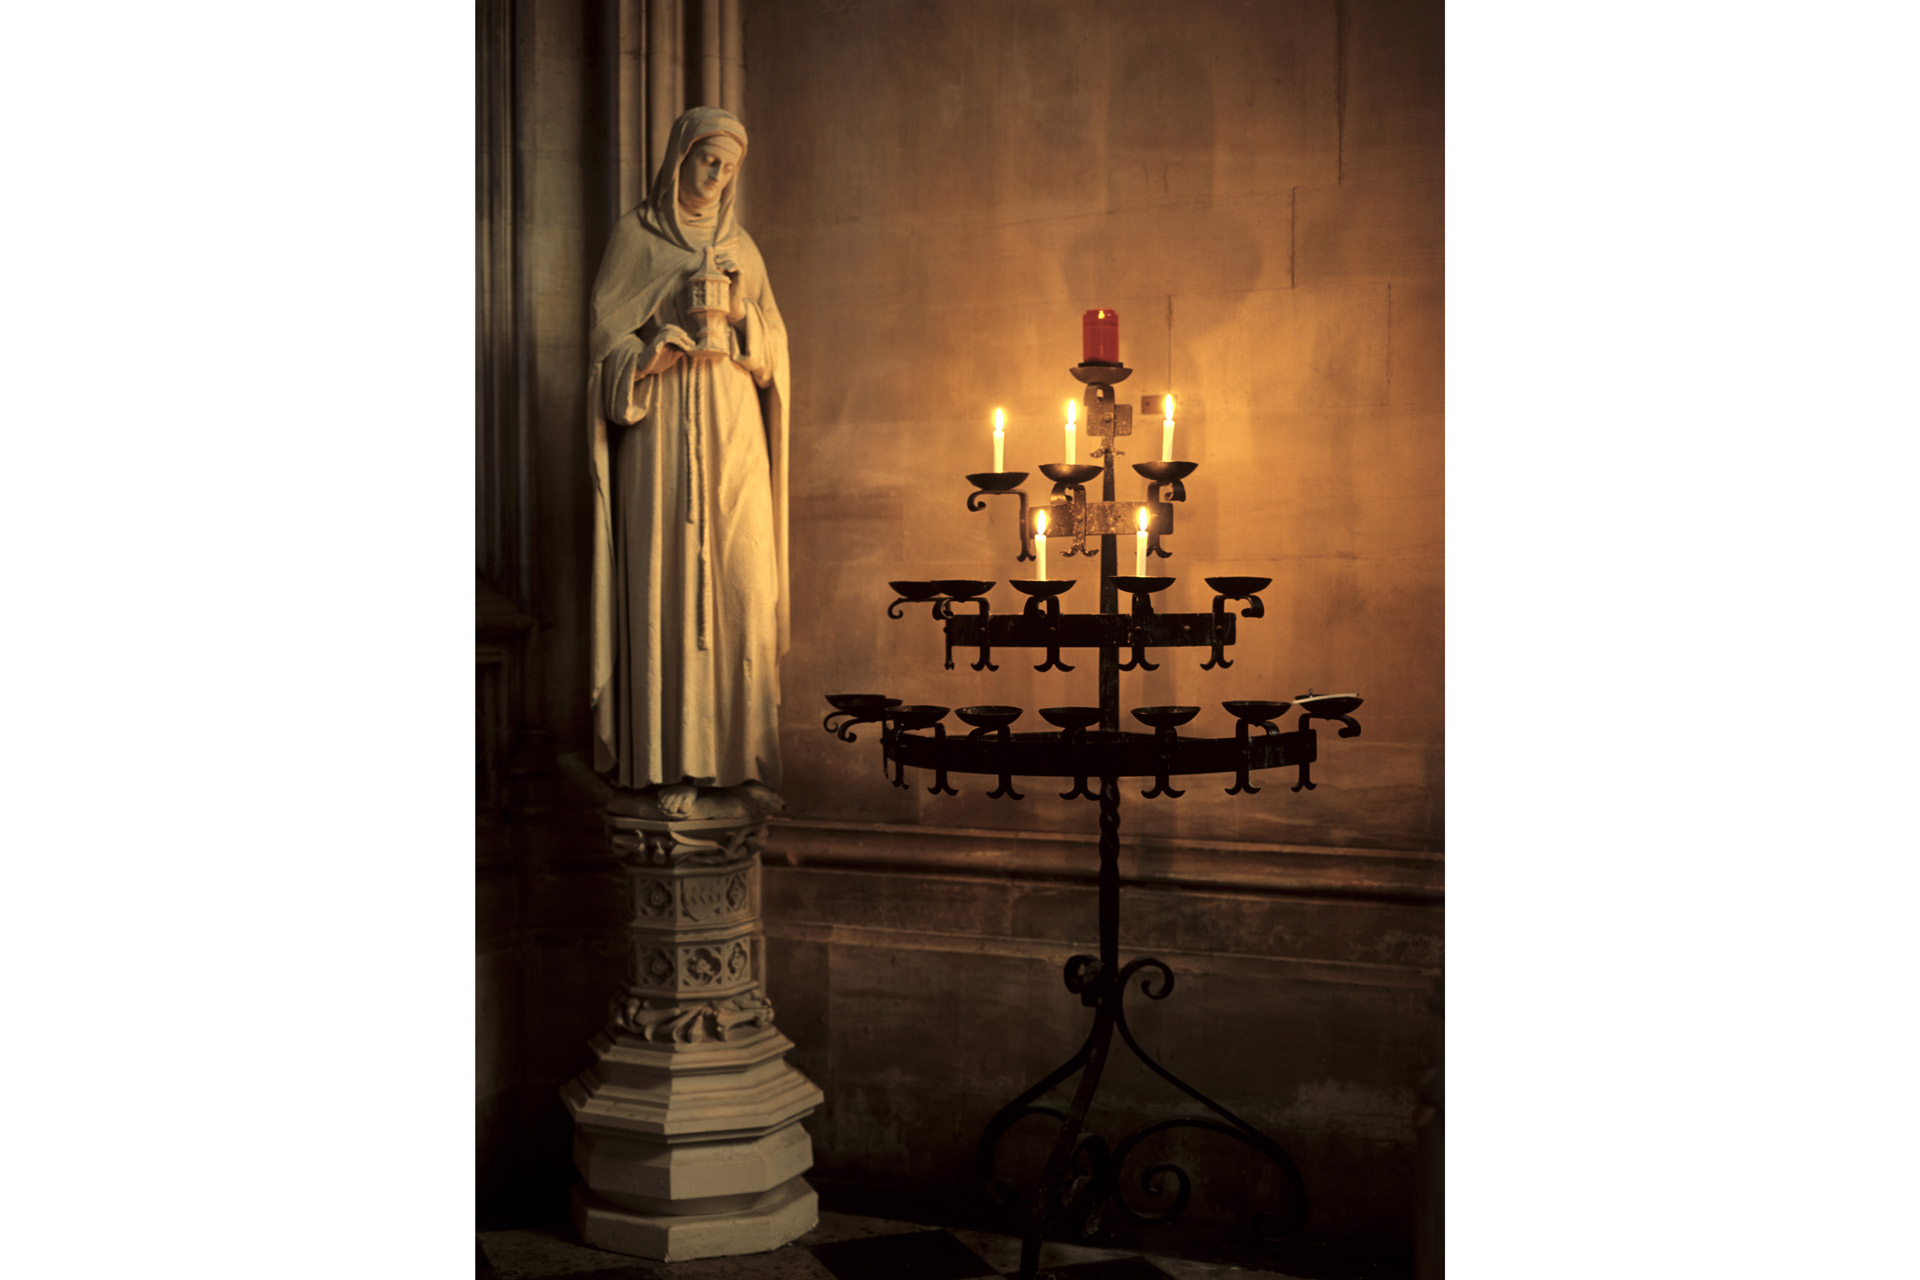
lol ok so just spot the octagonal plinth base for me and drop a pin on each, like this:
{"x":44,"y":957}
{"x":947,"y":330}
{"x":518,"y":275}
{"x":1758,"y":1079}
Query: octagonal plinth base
{"x":764,"y":1222}
{"x":648,"y":1175}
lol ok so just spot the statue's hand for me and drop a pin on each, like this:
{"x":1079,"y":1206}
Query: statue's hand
{"x":672,"y":335}
{"x":737,"y":301}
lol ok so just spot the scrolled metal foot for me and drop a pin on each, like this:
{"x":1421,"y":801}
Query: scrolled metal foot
{"x":1147,"y":989}
{"x":1079,"y":791}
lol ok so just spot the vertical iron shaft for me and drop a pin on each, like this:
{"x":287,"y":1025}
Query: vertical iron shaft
{"x":1109,"y":599}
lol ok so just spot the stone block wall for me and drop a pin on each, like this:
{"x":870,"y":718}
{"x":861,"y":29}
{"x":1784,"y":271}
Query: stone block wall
{"x":942,"y":188}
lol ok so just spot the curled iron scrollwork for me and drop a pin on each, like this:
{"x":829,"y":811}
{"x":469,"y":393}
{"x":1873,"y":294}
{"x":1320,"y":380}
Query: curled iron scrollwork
{"x":1097,"y":1172}
{"x":1146,"y":984}
{"x":1083,"y":975}
{"x":844,"y":730}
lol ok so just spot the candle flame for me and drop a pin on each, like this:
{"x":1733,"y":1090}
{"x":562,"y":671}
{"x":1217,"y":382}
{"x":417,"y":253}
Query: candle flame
{"x":999,"y":420}
{"x":1168,"y":407}
{"x":1145,"y":519}
{"x":1040,"y":524}
{"x":1071,"y":406}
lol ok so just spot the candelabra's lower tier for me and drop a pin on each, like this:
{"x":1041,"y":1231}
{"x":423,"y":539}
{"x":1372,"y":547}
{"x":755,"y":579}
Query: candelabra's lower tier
{"x":1099,"y":753}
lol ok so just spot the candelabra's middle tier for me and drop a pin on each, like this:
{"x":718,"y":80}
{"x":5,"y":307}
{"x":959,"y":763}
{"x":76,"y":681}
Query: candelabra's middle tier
{"x":1090,"y":630}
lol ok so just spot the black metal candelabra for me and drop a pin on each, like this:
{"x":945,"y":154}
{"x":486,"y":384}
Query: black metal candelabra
{"x":1082,"y":1173}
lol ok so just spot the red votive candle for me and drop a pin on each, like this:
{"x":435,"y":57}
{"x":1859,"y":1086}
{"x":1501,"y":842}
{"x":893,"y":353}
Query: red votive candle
{"x":1100,"y":337}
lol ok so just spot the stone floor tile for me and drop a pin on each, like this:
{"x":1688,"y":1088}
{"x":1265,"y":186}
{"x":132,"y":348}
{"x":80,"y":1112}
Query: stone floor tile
{"x":1185,"y":1269}
{"x":544,"y":1254}
{"x":846,"y":1226}
{"x":788,"y":1262}
{"x":1124,"y":1267}
{"x":554,"y":1254}
{"x":923,"y":1255}
{"x":1066,"y":1255}
{"x":1002,"y":1252}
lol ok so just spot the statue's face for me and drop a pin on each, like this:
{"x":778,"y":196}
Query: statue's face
{"x":706,"y":171}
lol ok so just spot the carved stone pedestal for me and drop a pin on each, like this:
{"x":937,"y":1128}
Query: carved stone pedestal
{"x":687,"y":1127}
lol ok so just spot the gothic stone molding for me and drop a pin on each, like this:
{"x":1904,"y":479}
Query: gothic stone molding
{"x":650,"y":842}
{"x":664,"y":1021}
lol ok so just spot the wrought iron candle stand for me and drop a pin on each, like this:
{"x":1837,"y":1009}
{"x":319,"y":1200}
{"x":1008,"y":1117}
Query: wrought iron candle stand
{"x":1082,"y":1172}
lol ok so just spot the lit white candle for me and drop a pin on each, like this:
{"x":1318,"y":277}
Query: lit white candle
{"x":1071,"y":456}
{"x":1040,"y":541}
{"x":1000,"y":439}
{"x":1140,"y":547}
{"x":1166,"y":432}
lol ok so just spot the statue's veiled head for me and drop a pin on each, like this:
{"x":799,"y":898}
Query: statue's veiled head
{"x":693,"y":192}
{"x":708,"y":171}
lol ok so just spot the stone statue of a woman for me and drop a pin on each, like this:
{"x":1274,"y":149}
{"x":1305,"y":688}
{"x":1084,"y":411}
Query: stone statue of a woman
{"x":687,"y":395}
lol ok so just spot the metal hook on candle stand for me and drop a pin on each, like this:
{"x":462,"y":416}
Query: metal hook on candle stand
{"x":843,"y":730}
{"x":1168,"y":478}
{"x":940,"y":786}
{"x":1079,"y":791}
{"x":1233,"y":588}
{"x":1242,"y":783}
{"x":858,"y":708}
{"x":1306,"y":782}
{"x":890,"y":749}
{"x":1003,"y":735}
{"x":1333,"y":706}
{"x":1043,"y":601}
{"x":1005,"y":789}
{"x":1165,"y":723}
{"x":1306,"y":776}
{"x":913,"y":592}
{"x":1141,"y":589}
{"x":943,"y":610}
{"x":987,"y":484}
{"x":1166,"y":741}
{"x":1072,"y":723}
{"x":902,"y":718}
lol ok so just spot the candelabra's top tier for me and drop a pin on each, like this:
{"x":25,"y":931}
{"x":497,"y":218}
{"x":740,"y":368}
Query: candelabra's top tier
{"x":1106,"y":374}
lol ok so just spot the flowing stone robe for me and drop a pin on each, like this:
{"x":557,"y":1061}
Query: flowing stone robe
{"x":690,"y":606}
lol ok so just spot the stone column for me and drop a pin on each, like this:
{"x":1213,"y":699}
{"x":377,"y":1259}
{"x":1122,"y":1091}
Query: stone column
{"x":687,"y":1127}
